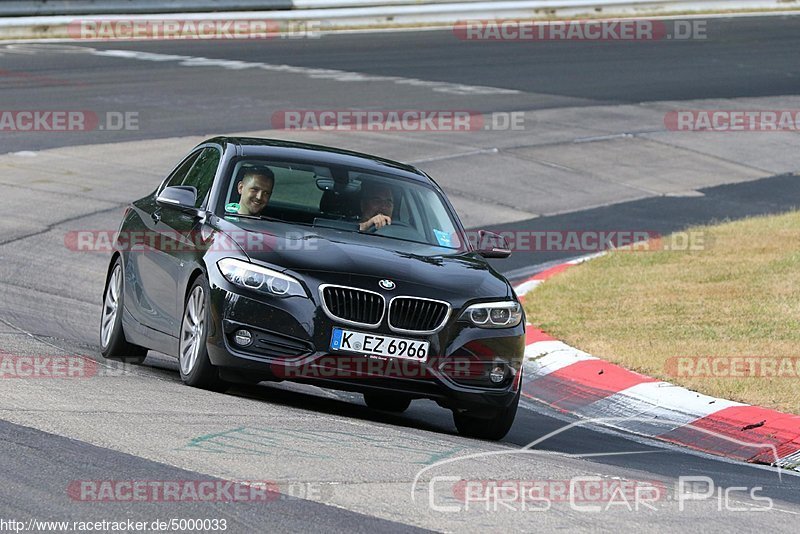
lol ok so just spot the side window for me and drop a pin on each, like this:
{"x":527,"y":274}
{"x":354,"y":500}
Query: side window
{"x":438,"y":221}
{"x":177,"y":177}
{"x":202,"y":174}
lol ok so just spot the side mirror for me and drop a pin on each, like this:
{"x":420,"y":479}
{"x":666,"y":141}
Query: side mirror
{"x":491,"y":245}
{"x":178,"y":196}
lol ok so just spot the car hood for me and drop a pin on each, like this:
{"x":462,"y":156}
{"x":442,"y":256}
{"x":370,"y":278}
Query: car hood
{"x":335,"y":256}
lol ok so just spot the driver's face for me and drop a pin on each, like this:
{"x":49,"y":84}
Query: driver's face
{"x":255,"y":191}
{"x":378,"y":200}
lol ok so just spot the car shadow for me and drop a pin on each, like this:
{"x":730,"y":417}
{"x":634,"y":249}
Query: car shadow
{"x":345,"y":404}
{"x":421,"y":415}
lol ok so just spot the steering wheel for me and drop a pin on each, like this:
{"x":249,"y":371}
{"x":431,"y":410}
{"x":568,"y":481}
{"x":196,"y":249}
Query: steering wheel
{"x":398,"y":224}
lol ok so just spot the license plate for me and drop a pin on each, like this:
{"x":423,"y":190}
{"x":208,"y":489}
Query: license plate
{"x":391,"y":347}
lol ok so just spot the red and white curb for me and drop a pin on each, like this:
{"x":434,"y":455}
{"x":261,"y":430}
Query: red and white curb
{"x":575,"y":382}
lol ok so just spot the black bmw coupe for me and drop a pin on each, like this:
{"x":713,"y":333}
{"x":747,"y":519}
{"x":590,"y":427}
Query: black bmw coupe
{"x":266,"y":260}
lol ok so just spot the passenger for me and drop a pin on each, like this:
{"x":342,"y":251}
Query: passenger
{"x":255,"y":190}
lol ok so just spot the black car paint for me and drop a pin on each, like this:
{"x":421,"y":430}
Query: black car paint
{"x":157,"y":281}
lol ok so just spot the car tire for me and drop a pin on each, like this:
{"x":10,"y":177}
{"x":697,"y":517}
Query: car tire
{"x":195,"y":366}
{"x":387,"y":403}
{"x":493,"y":428}
{"x":113,"y":344}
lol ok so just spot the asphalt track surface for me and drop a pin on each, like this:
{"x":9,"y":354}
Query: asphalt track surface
{"x":748,"y":58}
{"x":739,"y":58}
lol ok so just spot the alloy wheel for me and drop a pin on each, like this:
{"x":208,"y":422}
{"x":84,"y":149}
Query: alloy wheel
{"x":111,"y":306}
{"x":193,"y":330}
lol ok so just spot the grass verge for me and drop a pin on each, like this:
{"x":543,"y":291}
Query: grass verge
{"x":723,"y":320}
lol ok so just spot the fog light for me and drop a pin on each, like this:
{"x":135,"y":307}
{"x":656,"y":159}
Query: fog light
{"x":498,"y":374}
{"x":242,"y":338}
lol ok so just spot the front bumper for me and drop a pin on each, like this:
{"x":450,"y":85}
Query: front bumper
{"x":291,"y":341}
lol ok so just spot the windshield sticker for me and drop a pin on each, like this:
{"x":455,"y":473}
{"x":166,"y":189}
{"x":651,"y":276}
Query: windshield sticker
{"x":443,"y":238}
{"x":233,"y":207}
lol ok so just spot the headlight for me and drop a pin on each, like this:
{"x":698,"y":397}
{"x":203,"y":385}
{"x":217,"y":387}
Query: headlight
{"x":493,"y":314}
{"x":261,"y":279}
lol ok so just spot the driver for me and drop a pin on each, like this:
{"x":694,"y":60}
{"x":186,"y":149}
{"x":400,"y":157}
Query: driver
{"x":377,"y":205}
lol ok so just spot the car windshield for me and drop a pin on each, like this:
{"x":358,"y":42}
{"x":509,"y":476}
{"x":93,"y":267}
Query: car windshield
{"x":344,"y":199}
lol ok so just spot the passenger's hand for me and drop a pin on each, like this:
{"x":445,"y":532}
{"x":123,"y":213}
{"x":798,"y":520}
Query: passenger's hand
{"x":378,"y":221}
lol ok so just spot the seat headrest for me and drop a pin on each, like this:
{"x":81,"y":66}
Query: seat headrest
{"x":340,"y":204}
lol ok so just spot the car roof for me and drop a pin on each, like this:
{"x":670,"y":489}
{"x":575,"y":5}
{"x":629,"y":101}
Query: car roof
{"x":282,"y":149}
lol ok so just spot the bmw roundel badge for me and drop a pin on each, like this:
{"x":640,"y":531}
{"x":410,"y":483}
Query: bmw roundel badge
{"x":387,"y":284}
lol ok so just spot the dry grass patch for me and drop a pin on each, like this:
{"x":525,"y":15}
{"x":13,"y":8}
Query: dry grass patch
{"x":738,"y":297}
